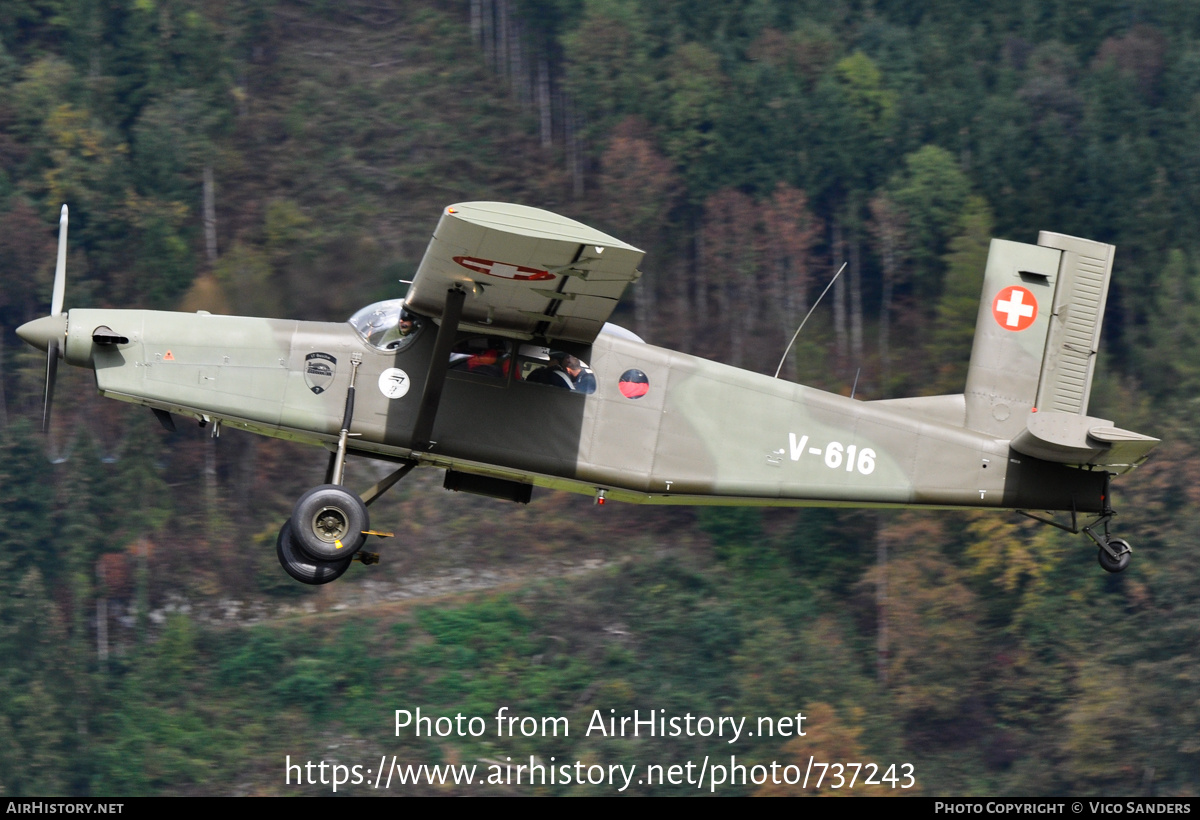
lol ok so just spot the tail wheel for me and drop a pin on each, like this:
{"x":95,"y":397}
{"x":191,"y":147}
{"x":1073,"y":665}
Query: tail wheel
{"x":1124,"y":554}
{"x":304,"y":569}
{"x":329,"y":522}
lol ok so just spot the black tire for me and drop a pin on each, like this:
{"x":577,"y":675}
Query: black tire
{"x":1111,"y":564}
{"x":328,"y":522}
{"x":298,"y":565}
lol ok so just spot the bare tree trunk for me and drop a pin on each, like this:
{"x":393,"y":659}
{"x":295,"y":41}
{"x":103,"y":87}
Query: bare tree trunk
{"x":518,"y":76}
{"x":210,"y":478}
{"x":885,"y":226}
{"x":881,"y":613}
{"x":725,"y":292}
{"x":501,"y":66}
{"x":643,"y":306}
{"x":210,"y":215}
{"x":794,"y":278}
{"x":839,"y":297}
{"x":856,"y":311}
{"x":885,"y":312}
{"x":574,"y":150}
{"x":782,"y":312}
{"x":488,"y":32}
{"x":841,"y":338}
{"x":545,"y":118}
{"x":477,"y":22}
{"x":245,"y":473}
{"x":775,"y":289}
{"x":101,"y":616}
{"x":798,"y":292}
{"x":142,"y":591}
{"x":737,"y":311}
{"x":3,"y":397}
{"x":754,"y":314}
{"x":699,"y":311}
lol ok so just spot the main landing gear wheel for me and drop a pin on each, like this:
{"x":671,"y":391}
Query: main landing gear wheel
{"x":329,"y":522}
{"x":1124,"y":553}
{"x":304,"y":569}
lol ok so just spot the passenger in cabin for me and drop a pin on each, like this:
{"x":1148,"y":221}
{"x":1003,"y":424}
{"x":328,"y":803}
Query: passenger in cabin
{"x":481,"y":356}
{"x":566,"y":371}
{"x":584,"y":381}
{"x":553,"y":374}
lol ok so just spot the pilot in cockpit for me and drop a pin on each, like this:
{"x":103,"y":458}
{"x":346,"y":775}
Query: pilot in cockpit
{"x":387,"y":325}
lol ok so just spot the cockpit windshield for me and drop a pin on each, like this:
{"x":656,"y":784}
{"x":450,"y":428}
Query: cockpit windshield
{"x":387,"y":325}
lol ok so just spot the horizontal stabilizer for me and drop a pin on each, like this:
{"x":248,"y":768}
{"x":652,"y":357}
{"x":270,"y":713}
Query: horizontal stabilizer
{"x":1069,"y":438}
{"x":1126,"y":448}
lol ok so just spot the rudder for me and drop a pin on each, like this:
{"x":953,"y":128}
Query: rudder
{"x":1070,"y":361}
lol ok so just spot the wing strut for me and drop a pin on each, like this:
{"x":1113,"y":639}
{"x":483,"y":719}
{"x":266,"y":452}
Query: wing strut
{"x":439,"y":364}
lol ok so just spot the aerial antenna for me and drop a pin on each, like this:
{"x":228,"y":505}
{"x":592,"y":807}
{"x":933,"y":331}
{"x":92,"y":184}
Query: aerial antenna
{"x":788,"y":349}
{"x":854,"y":389}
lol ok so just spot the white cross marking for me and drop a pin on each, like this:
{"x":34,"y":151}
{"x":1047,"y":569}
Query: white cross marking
{"x":1013,"y":308}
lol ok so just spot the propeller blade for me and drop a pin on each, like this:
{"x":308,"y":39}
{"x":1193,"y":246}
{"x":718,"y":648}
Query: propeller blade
{"x":51,"y":373}
{"x":60,"y":269}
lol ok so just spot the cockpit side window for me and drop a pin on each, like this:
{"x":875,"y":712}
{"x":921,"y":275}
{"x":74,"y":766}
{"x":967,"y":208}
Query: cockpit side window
{"x":388,"y":325}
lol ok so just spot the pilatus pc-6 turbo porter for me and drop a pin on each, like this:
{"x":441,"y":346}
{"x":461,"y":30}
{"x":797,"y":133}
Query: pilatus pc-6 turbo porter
{"x":500,"y":368}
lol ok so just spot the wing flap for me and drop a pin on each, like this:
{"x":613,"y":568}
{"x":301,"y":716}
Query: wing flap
{"x":527,"y":272}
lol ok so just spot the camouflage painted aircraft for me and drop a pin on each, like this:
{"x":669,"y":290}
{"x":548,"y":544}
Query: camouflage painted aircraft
{"x":499,"y":367}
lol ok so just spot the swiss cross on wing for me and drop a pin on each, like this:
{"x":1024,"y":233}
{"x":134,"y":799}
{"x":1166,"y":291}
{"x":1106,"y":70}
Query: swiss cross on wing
{"x":1014,"y":308}
{"x":502,"y":270}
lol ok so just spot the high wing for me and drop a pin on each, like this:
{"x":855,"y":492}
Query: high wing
{"x":527,"y":272}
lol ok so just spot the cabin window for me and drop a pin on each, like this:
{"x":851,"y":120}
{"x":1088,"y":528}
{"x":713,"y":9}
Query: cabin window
{"x":554,"y":368}
{"x":387,"y":325}
{"x":634,"y":384}
{"x":482,"y":356}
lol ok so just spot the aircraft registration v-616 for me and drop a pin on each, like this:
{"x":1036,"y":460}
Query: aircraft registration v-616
{"x":500,"y":368}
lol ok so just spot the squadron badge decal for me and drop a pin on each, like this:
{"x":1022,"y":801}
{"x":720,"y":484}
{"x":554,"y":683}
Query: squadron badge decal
{"x":319,"y":370}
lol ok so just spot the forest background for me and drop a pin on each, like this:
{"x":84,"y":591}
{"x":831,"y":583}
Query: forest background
{"x":290,"y":158}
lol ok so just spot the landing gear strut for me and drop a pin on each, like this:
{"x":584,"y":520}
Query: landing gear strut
{"x":330,"y":524}
{"x":1114,"y":553}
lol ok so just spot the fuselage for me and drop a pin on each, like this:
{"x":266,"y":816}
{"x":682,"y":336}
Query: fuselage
{"x":698,"y":432}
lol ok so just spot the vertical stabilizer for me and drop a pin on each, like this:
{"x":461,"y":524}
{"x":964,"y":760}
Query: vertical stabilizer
{"x":1037,"y":332}
{"x":1070,"y":360}
{"x":1010,"y":336}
